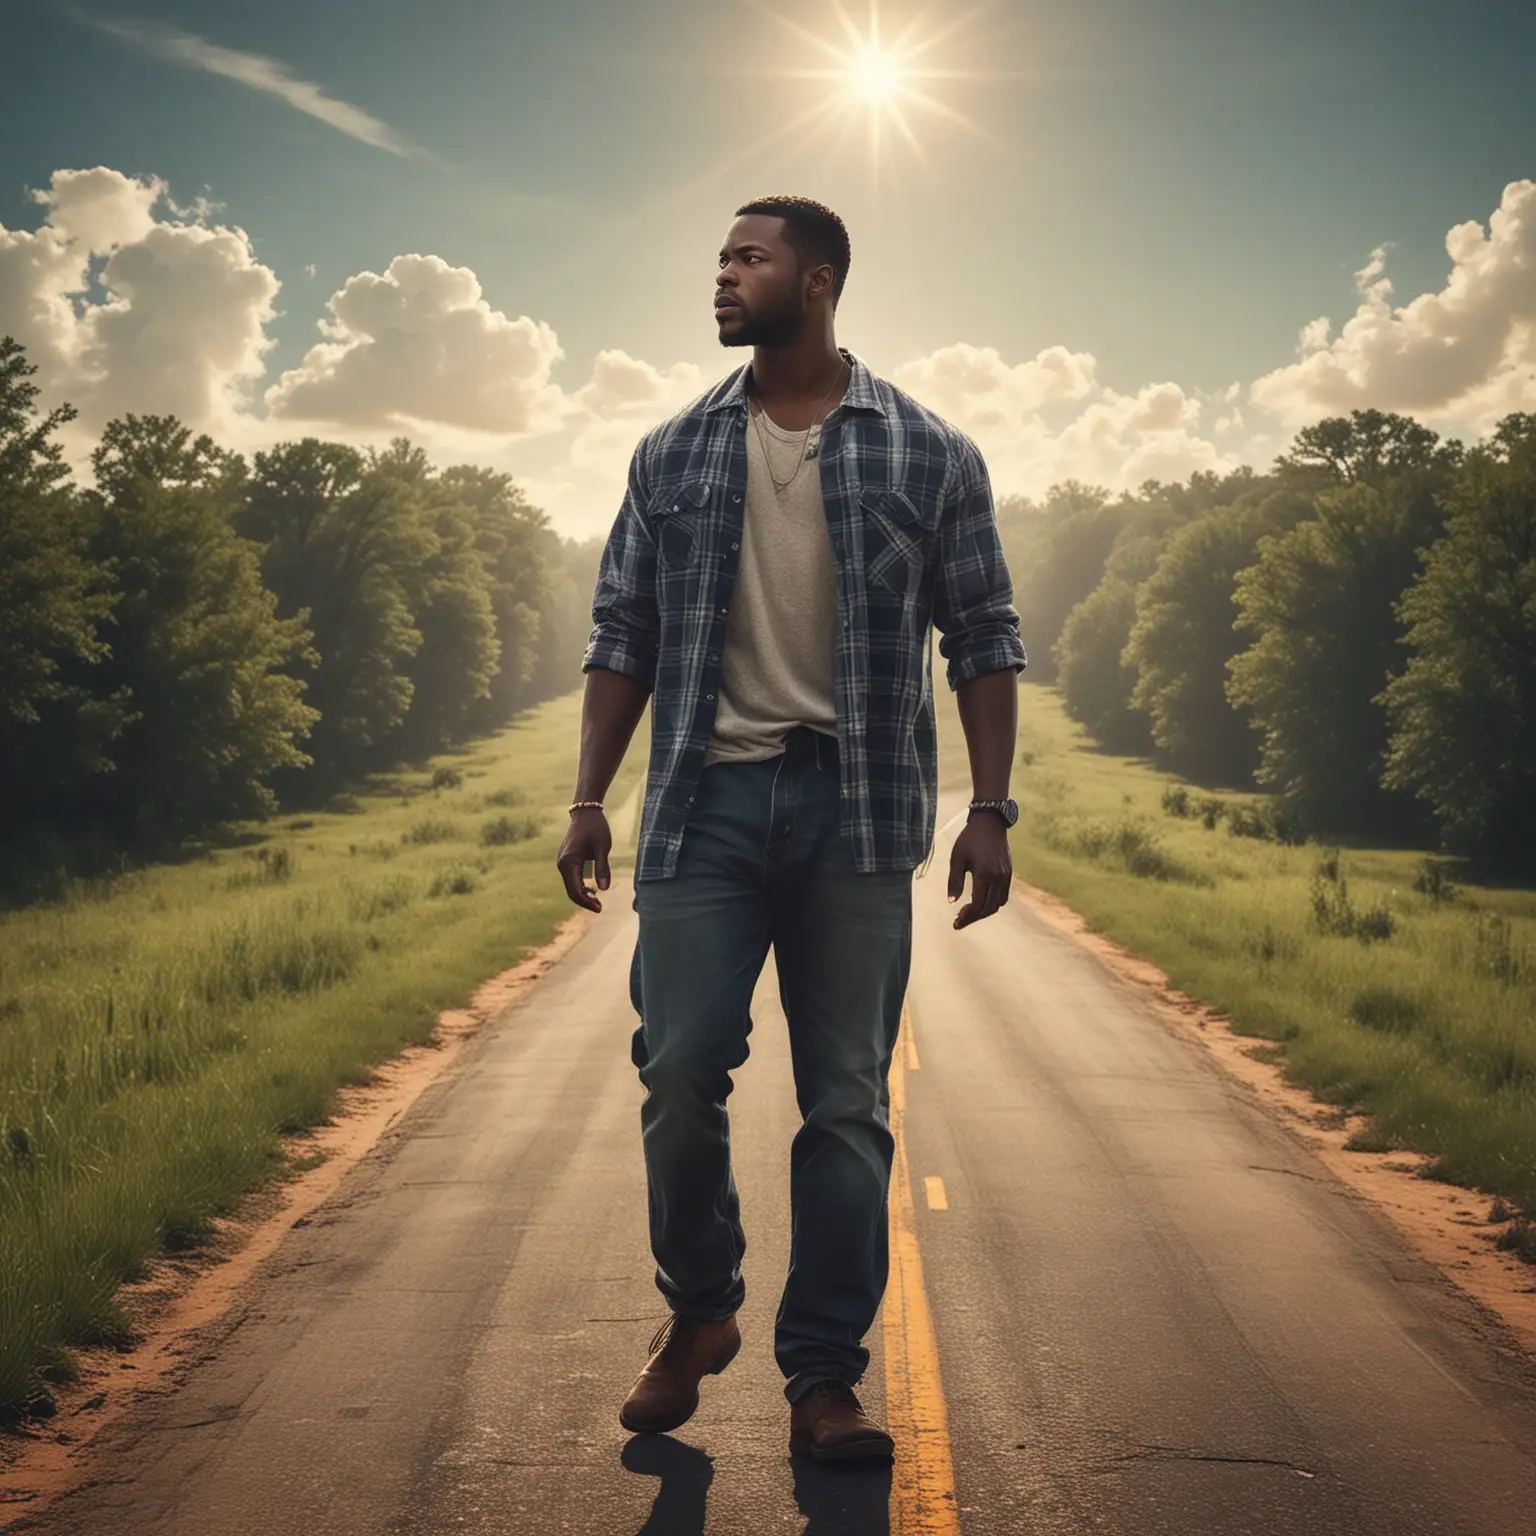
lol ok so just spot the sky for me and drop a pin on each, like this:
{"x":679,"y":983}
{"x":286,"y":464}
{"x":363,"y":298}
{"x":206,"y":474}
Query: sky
{"x":1112,"y":240}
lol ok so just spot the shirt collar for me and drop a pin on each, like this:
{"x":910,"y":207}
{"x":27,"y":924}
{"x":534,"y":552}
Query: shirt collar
{"x":861,"y":394}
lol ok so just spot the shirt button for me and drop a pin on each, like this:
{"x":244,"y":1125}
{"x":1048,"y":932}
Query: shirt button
{"x":690,"y":800}
{"x":709,"y":698}
{"x":722,"y":613}
{"x":735,"y":546}
{"x":736,"y":498}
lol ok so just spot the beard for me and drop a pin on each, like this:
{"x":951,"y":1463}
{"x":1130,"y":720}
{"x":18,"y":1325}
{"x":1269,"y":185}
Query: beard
{"x":767,"y":326}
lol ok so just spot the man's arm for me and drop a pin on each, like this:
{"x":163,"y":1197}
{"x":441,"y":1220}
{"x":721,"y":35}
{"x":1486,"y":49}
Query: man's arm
{"x":620,"y":666}
{"x":973,"y":609}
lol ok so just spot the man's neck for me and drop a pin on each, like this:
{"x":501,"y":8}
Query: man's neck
{"x":797,"y":376}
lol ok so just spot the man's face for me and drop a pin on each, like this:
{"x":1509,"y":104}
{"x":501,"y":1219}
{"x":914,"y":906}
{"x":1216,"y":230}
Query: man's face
{"x":759,"y":288}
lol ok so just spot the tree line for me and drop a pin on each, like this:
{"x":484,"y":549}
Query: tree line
{"x":1353,"y":631}
{"x":194,"y":640}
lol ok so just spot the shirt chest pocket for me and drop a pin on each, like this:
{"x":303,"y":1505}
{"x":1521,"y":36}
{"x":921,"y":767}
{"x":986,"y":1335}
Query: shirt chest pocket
{"x":680,"y":514}
{"x":898,"y":537}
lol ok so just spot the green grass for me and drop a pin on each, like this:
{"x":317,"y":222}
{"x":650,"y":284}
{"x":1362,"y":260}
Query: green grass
{"x":1390,"y":990}
{"x":161,"y":1032}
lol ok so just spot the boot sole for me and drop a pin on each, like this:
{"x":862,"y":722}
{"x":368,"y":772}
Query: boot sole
{"x":662,"y":1427}
{"x":854,"y":1450}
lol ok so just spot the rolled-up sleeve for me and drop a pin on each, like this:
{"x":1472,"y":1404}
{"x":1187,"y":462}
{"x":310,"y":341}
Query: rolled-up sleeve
{"x":626,"y":625}
{"x":973,"y":593}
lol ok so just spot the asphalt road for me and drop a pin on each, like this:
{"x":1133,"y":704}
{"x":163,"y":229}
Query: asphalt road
{"x":1154,"y":1312}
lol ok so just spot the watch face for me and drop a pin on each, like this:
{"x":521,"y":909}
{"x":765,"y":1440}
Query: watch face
{"x":1010,"y":811}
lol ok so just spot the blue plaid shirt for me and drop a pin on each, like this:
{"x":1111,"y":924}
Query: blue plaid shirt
{"x":914,"y":539}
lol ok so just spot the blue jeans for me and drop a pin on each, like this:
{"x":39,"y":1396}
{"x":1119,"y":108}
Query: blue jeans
{"x":762,"y":863}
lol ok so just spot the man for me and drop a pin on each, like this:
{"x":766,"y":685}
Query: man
{"x":769,"y":584}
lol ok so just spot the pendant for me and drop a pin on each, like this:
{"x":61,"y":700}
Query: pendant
{"x":813,"y":443}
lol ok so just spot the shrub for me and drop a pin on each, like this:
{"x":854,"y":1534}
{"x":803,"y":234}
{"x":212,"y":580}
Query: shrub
{"x":1433,"y":879}
{"x":505,"y":797}
{"x":430,"y":831}
{"x":453,"y":881}
{"x":270,"y":866}
{"x":508,"y":829}
{"x":1519,"y":1238}
{"x":447,"y":778}
{"x":1210,"y":811}
{"x":1334,"y":913}
{"x":1176,"y":800}
{"x":1497,"y":955}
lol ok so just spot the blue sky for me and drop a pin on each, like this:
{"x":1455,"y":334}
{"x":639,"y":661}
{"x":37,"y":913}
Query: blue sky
{"x":1172,"y":191}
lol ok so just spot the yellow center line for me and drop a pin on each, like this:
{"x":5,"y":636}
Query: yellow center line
{"x":938,"y":1200}
{"x":923,"y":1479}
{"x":913,"y":1063}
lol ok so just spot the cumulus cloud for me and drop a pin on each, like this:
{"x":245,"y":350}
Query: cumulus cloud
{"x":1461,"y":356}
{"x":126,"y":311}
{"x":259,"y":73}
{"x":1048,"y":419}
{"x":419,"y":344}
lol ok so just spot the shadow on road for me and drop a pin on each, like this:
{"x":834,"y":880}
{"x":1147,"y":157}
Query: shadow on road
{"x":853,"y":1499}
{"x":685,"y":1473}
{"x":849,"y":1500}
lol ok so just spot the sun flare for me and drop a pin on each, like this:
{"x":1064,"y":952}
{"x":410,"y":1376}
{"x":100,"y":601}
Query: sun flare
{"x":875,"y":76}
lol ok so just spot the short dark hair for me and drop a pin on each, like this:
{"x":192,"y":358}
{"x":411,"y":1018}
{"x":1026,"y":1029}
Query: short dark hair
{"x":816,"y":233}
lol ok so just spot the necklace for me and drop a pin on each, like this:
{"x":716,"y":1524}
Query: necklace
{"x":811,"y":440}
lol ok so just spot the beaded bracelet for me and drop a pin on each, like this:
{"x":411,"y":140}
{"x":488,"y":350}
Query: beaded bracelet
{"x":583,"y":805}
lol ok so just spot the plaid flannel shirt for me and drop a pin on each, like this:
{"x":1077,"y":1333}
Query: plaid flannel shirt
{"x":914,"y":538}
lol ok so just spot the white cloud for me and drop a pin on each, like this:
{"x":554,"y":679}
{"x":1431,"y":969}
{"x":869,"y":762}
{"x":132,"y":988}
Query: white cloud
{"x":179,"y":325}
{"x":1048,"y":419}
{"x":419,"y":345}
{"x":1458,"y":358}
{"x":260,"y":73}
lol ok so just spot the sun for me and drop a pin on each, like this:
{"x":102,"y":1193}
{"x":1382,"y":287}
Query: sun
{"x":875,"y":76}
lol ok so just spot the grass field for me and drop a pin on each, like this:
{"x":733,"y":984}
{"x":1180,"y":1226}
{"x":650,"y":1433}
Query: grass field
{"x":1385,"y":983}
{"x":159,"y":1033}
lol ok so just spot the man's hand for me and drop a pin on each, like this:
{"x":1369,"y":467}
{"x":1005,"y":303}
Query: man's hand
{"x":981,"y":848}
{"x":587,"y":841}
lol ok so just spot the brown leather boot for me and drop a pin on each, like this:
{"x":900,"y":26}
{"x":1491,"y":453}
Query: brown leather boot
{"x":830,"y":1423}
{"x":684,"y":1351}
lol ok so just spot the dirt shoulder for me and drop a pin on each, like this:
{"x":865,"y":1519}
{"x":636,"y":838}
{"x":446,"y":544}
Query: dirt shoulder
{"x":178,"y":1306}
{"x":1444,"y":1223}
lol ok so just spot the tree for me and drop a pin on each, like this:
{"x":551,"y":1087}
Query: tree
{"x":510,"y":535}
{"x":196,"y":646}
{"x":54,"y":727}
{"x":337,"y":533}
{"x":1183,"y":637}
{"x":1093,"y":673}
{"x":1462,"y":713}
{"x":448,"y":589}
{"x":1320,"y":604}
{"x":1060,"y":564}
{"x":1365,"y":447}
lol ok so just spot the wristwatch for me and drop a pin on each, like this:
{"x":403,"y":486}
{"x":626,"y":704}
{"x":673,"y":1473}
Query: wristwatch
{"x":1007,"y":809}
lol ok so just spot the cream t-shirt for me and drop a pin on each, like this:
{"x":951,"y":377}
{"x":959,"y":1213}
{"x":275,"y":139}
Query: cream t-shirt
{"x":778,"y":669}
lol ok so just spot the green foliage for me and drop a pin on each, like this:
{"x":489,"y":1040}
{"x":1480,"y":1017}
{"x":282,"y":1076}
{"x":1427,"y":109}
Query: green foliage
{"x":197,"y":650}
{"x":1175,"y":800}
{"x":1333,"y":912}
{"x":1433,"y":879}
{"x":1364,"y":448}
{"x":55,"y":724}
{"x":1463,"y":712}
{"x":1319,"y":604}
{"x":1095,"y":678}
{"x":1182,"y":639}
{"x":508,"y":829}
